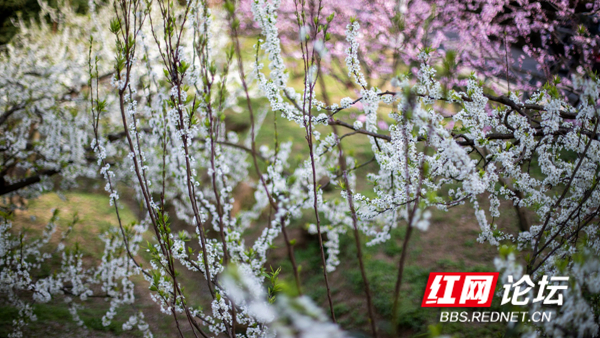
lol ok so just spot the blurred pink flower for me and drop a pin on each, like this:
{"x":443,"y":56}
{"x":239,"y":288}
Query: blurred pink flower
{"x":477,"y":30}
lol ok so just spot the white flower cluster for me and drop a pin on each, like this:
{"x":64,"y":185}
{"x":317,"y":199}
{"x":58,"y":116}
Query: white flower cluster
{"x":286,"y":317}
{"x":21,"y":260}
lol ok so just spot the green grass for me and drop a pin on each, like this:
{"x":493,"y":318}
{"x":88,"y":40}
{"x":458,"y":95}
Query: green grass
{"x":382,"y":267}
{"x":93,"y":211}
{"x":55,"y":320}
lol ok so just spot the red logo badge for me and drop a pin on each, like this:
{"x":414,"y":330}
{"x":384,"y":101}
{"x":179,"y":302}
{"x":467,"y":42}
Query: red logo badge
{"x":460,"y":289}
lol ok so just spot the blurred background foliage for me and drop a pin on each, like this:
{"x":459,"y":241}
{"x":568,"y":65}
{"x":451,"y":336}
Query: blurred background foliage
{"x":10,"y":10}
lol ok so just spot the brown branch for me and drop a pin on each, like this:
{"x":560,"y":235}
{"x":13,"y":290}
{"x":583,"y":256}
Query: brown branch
{"x":5,"y":189}
{"x":360,"y":131}
{"x":359,"y":255}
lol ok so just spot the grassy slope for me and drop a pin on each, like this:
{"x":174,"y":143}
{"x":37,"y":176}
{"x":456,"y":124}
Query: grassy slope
{"x":95,"y":215}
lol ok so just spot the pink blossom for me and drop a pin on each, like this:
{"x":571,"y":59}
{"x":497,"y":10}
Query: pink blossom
{"x":486,"y":35}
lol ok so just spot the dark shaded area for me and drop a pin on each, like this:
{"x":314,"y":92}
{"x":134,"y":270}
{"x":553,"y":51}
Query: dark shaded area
{"x":584,"y":23}
{"x":28,"y":9}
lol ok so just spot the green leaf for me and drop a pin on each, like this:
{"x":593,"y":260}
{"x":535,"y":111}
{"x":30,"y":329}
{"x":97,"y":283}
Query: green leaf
{"x":115,"y":26}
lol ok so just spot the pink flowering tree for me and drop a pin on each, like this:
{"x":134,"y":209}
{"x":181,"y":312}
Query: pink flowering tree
{"x":525,"y":43}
